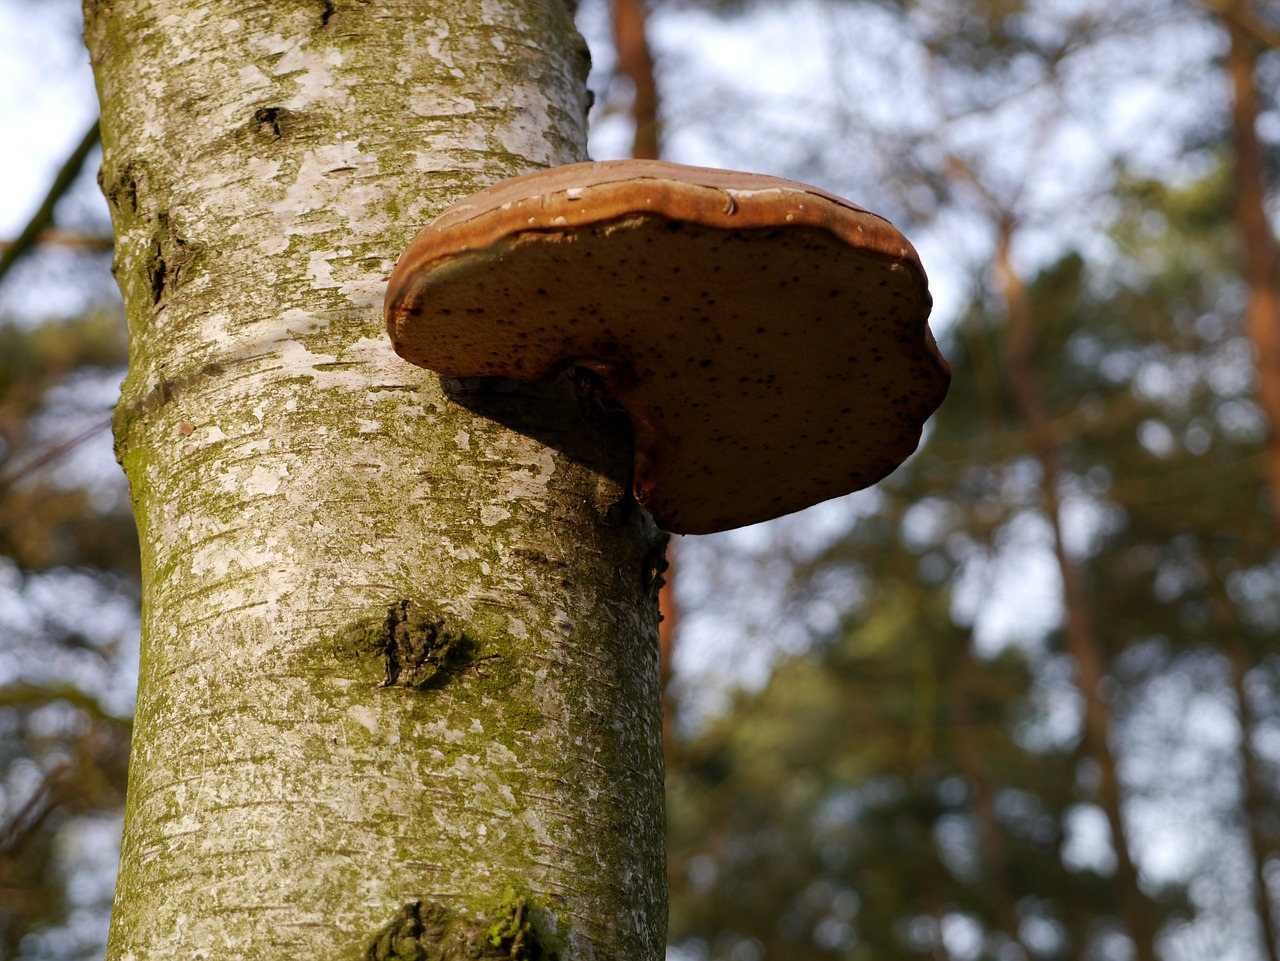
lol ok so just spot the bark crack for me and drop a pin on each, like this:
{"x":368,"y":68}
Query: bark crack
{"x":169,"y":259}
{"x":270,"y":122}
{"x":420,"y":648}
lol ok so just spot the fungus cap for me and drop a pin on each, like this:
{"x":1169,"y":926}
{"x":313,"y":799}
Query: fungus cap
{"x":768,"y":339}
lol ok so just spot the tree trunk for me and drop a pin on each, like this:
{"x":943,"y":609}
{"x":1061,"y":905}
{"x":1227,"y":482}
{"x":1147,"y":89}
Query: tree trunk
{"x":963,"y":676}
{"x":1254,"y":806}
{"x":635,"y":62}
{"x":1082,"y":643}
{"x":1260,"y":263}
{"x":1259,"y":258}
{"x":399,"y":679}
{"x":1252,"y":800}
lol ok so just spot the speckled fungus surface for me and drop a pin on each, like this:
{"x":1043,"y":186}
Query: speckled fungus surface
{"x":769,"y":340}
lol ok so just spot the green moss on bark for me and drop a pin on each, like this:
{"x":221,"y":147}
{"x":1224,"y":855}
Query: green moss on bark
{"x":429,"y":931}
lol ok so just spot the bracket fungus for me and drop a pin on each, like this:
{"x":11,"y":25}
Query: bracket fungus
{"x":768,"y":340}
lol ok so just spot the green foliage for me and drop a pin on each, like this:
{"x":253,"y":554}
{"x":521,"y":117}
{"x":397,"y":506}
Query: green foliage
{"x":902,"y":786}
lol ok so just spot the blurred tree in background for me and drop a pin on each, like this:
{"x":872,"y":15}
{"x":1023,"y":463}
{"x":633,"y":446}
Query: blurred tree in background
{"x":1027,"y":697}
{"x":68,"y":586}
{"x":1097,"y":776}
{"x":68,"y":565}
{"x":904,"y":791}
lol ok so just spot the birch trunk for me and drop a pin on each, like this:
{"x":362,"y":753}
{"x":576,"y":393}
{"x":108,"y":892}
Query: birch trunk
{"x":399,"y":687}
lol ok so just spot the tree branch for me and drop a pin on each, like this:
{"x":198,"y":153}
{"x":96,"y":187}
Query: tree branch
{"x":53,"y":237}
{"x":1246,"y":18}
{"x":43,"y":216}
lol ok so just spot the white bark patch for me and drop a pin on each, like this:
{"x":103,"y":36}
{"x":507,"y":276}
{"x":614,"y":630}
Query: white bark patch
{"x":466,"y":553}
{"x":324,"y":185}
{"x":266,"y":341}
{"x":289,"y":357}
{"x":311,"y":70}
{"x":319,"y":269}
{"x":438,"y":45}
{"x":242,"y":187}
{"x":491,"y":514}
{"x":453,"y":144}
{"x":439,"y":730}
{"x":530,"y":485}
{"x":265,"y":480}
{"x":218,"y":559}
{"x":252,"y":78}
{"x":367,"y":293}
{"x":501,"y":14}
{"x":365,"y":716}
{"x":526,"y":132}
{"x":297,"y":321}
{"x":484,"y":774}
{"x":439,"y":103}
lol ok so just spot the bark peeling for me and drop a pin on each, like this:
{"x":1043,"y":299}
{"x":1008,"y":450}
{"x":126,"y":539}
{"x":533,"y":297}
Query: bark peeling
{"x":292,"y":478}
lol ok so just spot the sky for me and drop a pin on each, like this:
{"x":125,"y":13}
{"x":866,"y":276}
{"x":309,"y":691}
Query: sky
{"x":47,"y":101}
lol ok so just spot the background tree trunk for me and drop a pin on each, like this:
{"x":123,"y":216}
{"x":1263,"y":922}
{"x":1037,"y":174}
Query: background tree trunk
{"x":635,"y":62}
{"x":1080,"y":638}
{"x":399,"y":686}
{"x":1259,"y":258}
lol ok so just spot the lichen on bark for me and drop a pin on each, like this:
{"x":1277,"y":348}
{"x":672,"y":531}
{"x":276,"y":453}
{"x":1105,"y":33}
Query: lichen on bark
{"x":292,"y":480}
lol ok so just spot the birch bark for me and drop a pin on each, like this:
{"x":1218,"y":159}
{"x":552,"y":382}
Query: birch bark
{"x":399,"y":692}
